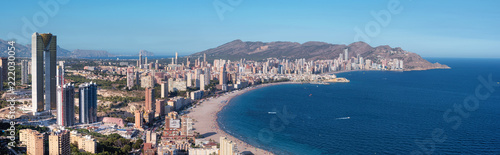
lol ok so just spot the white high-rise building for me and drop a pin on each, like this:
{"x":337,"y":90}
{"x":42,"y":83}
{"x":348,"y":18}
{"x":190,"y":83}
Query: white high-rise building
{"x":346,"y":54}
{"x":202,"y":82}
{"x":164,"y":89}
{"x":176,"y":55}
{"x":60,"y":73}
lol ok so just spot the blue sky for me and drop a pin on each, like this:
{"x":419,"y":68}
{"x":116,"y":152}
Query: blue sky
{"x":432,"y":29}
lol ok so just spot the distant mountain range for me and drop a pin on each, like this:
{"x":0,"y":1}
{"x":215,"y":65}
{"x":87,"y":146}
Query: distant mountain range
{"x":237,"y":49}
{"x":146,"y":53}
{"x":25,"y":51}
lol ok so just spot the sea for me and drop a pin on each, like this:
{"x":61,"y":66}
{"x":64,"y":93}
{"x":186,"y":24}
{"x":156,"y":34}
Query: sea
{"x":440,"y":111}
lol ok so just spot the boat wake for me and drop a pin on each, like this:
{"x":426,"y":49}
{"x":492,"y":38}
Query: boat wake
{"x":343,"y":118}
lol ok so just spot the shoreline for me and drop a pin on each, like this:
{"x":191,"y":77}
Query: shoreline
{"x":206,"y":115}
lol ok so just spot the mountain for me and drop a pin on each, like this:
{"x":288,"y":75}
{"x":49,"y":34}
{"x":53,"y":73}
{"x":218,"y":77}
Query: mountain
{"x":237,"y":49}
{"x":146,"y":53}
{"x":25,"y":51}
{"x":78,"y":53}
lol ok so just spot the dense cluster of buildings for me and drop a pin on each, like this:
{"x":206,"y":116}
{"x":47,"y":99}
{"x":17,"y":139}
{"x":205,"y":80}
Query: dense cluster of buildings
{"x":58,"y":142}
{"x":197,"y":79}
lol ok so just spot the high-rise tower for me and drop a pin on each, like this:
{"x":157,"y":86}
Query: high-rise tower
{"x":24,"y":72}
{"x":59,"y":143}
{"x":88,"y":103}
{"x":164,"y":89}
{"x":60,"y":74}
{"x":140,"y":60}
{"x":43,"y":44}
{"x":130,"y":77}
{"x":66,"y":105}
{"x":150,"y":99}
{"x":346,"y":54}
{"x":176,"y":55}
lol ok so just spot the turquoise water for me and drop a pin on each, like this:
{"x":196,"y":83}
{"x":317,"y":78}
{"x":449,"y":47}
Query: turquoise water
{"x":376,"y":113}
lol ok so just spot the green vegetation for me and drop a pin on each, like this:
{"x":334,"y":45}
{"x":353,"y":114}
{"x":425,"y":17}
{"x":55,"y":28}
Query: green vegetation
{"x":108,"y":145}
{"x":104,"y":84}
{"x":4,"y":103}
{"x":79,"y":65}
{"x":130,"y":119}
{"x":76,"y":151}
{"x":126,"y":99}
{"x":137,"y":144}
{"x":5,"y":126}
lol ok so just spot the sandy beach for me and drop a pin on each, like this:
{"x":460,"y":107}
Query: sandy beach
{"x":205,"y":116}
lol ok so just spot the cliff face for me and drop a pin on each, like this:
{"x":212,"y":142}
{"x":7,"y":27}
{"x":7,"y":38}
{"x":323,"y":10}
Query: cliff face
{"x":238,"y":49}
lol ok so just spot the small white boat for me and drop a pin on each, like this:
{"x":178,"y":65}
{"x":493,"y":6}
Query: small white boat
{"x":344,"y":118}
{"x":271,"y":112}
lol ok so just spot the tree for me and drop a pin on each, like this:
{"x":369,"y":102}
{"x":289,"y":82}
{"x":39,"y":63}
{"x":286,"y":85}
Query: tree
{"x":126,"y":148}
{"x":137,"y":144}
{"x":130,"y":119}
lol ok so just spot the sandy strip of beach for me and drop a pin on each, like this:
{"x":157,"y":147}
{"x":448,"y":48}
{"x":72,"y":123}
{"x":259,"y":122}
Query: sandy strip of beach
{"x":205,"y":116}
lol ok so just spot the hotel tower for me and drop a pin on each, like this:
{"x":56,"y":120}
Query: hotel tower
{"x":43,"y":50}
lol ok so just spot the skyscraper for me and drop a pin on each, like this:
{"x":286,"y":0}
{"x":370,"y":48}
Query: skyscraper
{"x":207,"y":75}
{"x":43,"y":44}
{"x":60,"y":74}
{"x":35,"y":143}
{"x":160,"y":107}
{"x":3,"y":71}
{"x":157,"y":65}
{"x":223,"y":75}
{"x":137,"y":78}
{"x":186,"y":126}
{"x":176,"y":55}
{"x":150,"y":99}
{"x":88,"y":103}
{"x":164,"y":89}
{"x":204,"y":58}
{"x":189,"y":79}
{"x":66,"y":105}
{"x":138,"y":119}
{"x":59,"y":143}
{"x":346,"y":54}
{"x":24,"y":72}
{"x":140,"y":60}
{"x":202,"y":82}
{"x":130,"y":77}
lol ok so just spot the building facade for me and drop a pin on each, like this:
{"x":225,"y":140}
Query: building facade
{"x":138,"y":119}
{"x":88,"y":103}
{"x":164,"y":89}
{"x":24,"y":72}
{"x":43,"y":55}
{"x":59,"y":143}
{"x":66,"y":105}
{"x":227,"y":147}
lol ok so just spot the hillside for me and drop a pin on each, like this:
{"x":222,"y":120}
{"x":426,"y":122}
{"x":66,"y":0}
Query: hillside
{"x":238,"y":49}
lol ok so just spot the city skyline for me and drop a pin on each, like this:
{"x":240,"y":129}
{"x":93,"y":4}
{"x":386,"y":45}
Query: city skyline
{"x":425,"y":27}
{"x":258,"y":77}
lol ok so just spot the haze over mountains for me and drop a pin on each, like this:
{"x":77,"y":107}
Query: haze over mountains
{"x":237,"y":49}
{"x":25,"y":51}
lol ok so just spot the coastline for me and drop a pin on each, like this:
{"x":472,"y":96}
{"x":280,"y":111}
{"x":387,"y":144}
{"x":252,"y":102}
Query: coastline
{"x":205,"y":118}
